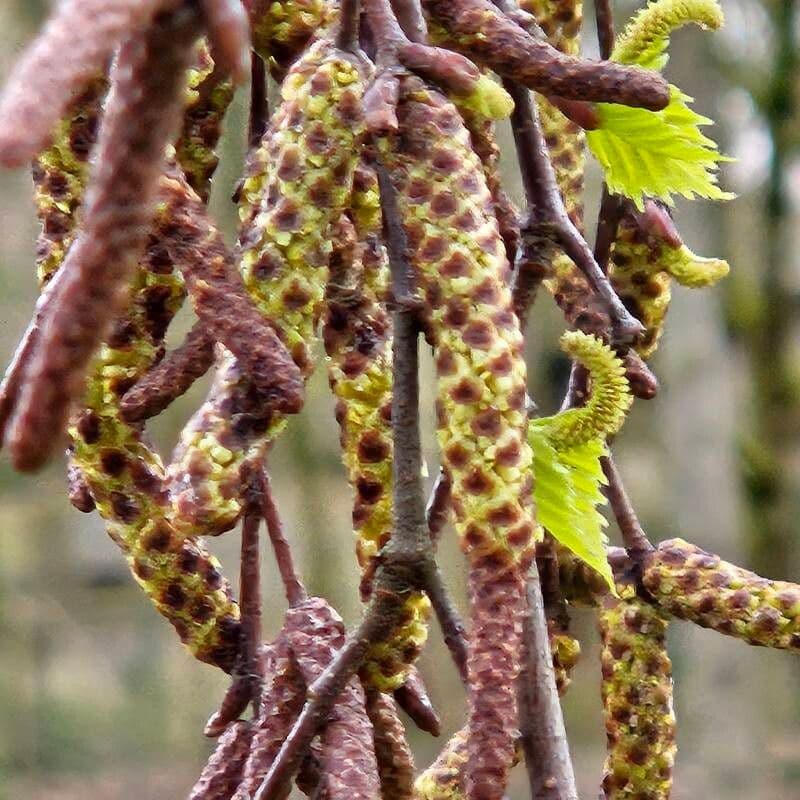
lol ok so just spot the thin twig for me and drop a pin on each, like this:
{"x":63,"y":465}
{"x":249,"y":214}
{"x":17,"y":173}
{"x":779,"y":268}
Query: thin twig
{"x":633,"y":536}
{"x":292,"y":585}
{"x":544,"y":738}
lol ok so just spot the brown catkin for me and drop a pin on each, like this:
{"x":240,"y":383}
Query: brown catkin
{"x":170,"y":378}
{"x":637,"y":701}
{"x":315,"y":633}
{"x":282,"y":699}
{"x":195,"y":246}
{"x":700,"y":587}
{"x":141,"y":113}
{"x":223,"y":771}
{"x":394,"y":757}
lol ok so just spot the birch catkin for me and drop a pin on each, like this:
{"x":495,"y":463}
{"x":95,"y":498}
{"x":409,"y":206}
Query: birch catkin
{"x":459,"y":259}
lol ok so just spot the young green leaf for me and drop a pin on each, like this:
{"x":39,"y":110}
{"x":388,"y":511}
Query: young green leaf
{"x":566,"y":454}
{"x":658,"y":153}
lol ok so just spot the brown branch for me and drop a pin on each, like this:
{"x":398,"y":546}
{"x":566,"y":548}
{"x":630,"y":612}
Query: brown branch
{"x":633,"y":536}
{"x":485,"y":34}
{"x":172,"y":377}
{"x":293,"y":586}
{"x":248,"y":672}
{"x":547,"y":221}
{"x":544,"y":739}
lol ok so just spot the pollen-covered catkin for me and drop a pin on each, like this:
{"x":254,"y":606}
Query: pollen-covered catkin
{"x":700,"y":587}
{"x":357,"y":336}
{"x":298,"y":185}
{"x":646,"y":256}
{"x":115,"y":469}
{"x":637,"y":701}
{"x":461,"y":269}
{"x":282,"y":28}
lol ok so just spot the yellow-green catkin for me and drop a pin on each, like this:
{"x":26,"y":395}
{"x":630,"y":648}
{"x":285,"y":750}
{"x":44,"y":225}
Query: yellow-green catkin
{"x":637,"y":701}
{"x":357,"y":336}
{"x":698,"y":586}
{"x":461,"y":269}
{"x":444,"y":779}
{"x":123,"y":475}
{"x":298,"y":185}
{"x":645,"y":258}
{"x":208,"y":95}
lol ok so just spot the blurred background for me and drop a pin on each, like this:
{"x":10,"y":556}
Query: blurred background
{"x":97,"y":699}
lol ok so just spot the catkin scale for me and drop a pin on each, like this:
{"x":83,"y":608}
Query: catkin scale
{"x":459,"y":261}
{"x":637,"y":701}
{"x":298,"y":184}
{"x":141,"y":112}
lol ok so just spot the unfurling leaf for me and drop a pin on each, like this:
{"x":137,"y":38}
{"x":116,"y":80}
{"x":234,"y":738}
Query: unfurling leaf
{"x":658,"y":153}
{"x":567,"y":449}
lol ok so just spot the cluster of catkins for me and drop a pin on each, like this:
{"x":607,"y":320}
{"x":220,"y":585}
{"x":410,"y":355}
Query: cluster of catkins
{"x":385,"y":110}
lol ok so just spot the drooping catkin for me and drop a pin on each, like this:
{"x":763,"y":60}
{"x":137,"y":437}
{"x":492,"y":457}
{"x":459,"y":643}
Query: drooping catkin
{"x":646,"y":256}
{"x":459,"y":261}
{"x":443,"y":780}
{"x":110,"y":465}
{"x":282,"y":699}
{"x":299,"y":183}
{"x":700,"y":587}
{"x":223,"y":771}
{"x":141,"y":112}
{"x":315,"y":633}
{"x":394,"y":757}
{"x":637,"y":701}
{"x":357,"y":336}
{"x":196,"y":246}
